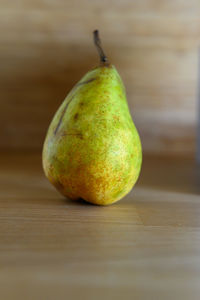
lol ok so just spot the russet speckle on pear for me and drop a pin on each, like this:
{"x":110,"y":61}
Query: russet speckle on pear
{"x":92,"y":148}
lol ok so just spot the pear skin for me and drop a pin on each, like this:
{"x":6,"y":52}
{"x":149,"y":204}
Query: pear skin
{"x":92,"y":148}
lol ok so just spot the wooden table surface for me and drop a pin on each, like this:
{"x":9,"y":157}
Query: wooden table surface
{"x":146,"y":246}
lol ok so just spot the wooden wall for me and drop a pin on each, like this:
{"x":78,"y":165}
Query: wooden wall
{"x":46,"y":46}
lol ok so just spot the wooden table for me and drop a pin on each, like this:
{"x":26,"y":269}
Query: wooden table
{"x":146,"y":246}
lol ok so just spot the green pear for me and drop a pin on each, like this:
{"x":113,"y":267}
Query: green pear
{"x":92,"y":149}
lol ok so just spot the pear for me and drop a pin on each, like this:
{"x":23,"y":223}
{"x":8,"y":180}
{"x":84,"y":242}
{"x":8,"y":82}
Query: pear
{"x":92,"y":149}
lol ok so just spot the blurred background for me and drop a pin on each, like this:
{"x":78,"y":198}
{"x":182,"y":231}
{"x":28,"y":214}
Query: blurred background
{"x":146,"y":246}
{"x":46,"y":46}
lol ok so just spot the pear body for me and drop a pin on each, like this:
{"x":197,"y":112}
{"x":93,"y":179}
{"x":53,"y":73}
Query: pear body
{"x":92,"y":149}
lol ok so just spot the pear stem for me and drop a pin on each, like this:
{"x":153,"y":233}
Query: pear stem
{"x":97,"y":42}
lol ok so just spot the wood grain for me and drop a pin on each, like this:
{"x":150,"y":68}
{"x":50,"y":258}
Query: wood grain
{"x":145,"y":246}
{"x":46,"y":46}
